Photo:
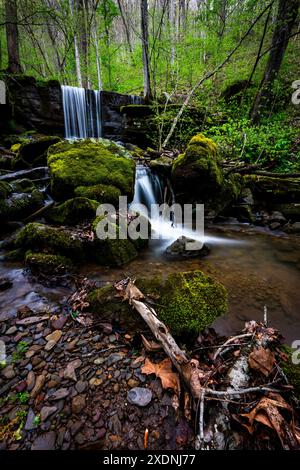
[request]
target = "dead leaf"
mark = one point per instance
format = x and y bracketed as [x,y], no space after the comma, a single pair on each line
[151,346]
[262,360]
[163,370]
[267,413]
[127,290]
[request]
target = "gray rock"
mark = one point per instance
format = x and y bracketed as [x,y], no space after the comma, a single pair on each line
[139,396]
[81,386]
[47,411]
[11,330]
[59,394]
[30,421]
[44,441]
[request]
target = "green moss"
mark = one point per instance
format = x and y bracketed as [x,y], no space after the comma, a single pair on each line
[39,237]
[47,263]
[19,206]
[73,211]
[110,252]
[23,186]
[190,301]
[5,190]
[185,302]
[275,190]
[104,194]
[33,152]
[292,371]
[89,163]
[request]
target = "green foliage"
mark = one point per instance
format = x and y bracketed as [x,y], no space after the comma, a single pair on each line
[272,144]
[21,349]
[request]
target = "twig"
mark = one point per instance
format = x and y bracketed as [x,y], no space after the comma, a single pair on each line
[224,393]
[201,415]
[230,340]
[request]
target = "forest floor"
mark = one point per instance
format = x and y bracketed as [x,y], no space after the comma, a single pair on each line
[69,390]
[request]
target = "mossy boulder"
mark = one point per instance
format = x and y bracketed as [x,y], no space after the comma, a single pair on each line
[186,302]
[292,371]
[19,206]
[291,211]
[73,211]
[103,193]
[5,189]
[24,185]
[89,163]
[43,238]
[47,263]
[273,190]
[112,252]
[198,178]
[34,152]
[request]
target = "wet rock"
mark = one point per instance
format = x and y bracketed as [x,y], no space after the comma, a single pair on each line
[53,339]
[81,386]
[11,330]
[59,394]
[139,396]
[278,217]
[59,323]
[30,421]
[78,404]
[5,283]
[8,372]
[293,228]
[187,248]
[69,372]
[114,358]
[47,411]
[44,441]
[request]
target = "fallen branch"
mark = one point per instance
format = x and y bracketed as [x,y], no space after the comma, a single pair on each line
[230,340]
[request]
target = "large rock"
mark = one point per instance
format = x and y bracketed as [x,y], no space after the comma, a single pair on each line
[73,211]
[89,163]
[186,302]
[273,190]
[198,178]
[34,152]
[20,205]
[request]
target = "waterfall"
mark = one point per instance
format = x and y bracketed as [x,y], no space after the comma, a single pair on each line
[137,100]
[82,112]
[148,188]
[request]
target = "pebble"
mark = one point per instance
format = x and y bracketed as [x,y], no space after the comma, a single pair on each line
[8,372]
[78,404]
[116,388]
[114,358]
[100,360]
[59,394]
[12,330]
[139,396]
[47,411]
[39,383]
[69,372]
[53,339]
[44,441]
[81,386]
[133,383]
[112,338]
[30,421]
[94,382]
[59,323]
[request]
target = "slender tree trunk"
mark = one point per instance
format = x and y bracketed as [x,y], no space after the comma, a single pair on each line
[145,46]
[12,36]
[285,20]
[84,40]
[76,49]
[126,28]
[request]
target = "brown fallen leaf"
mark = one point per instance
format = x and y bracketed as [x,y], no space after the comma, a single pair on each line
[151,346]
[267,412]
[163,370]
[128,291]
[262,360]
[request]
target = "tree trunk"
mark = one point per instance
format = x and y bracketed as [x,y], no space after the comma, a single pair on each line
[76,49]
[145,46]
[285,20]
[84,40]
[12,35]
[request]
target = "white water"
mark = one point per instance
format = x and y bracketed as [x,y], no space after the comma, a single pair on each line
[82,112]
[149,192]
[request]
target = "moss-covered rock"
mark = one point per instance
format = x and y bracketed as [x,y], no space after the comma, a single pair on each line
[89,163]
[5,189]
[19,206]
[112,252]
[43,238]
[198,178]
[290,211]
[47,263]
[73,211]
[273,190]
[292,371]
[185,302]
[24,185]
[103,193]
[34,152]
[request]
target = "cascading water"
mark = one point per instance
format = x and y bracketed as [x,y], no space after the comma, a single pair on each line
[149,194]
[82,112]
